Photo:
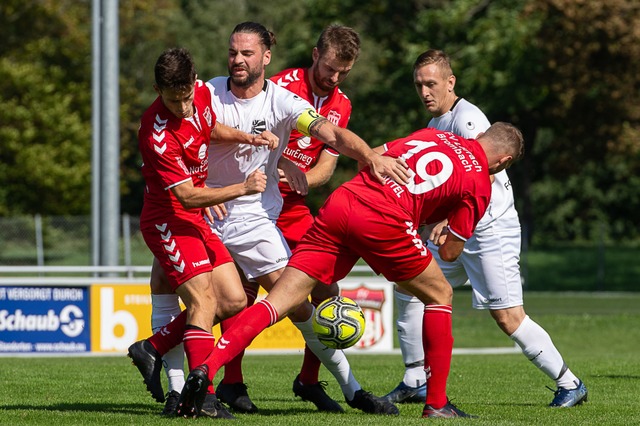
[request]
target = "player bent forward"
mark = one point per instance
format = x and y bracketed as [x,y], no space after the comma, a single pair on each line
[379,222]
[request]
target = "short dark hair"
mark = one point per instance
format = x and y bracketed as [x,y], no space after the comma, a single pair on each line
[267,38]
[344,41]
[434,56]
[175,69]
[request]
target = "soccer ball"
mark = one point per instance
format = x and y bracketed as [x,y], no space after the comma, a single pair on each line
[338,322]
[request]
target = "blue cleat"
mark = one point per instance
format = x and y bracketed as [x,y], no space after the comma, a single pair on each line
[405,393]
[570,397]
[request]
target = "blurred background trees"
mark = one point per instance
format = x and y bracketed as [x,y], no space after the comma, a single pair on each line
[565,71]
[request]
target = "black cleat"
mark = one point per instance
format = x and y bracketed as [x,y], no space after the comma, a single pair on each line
[194,392]
[369,403]
[171,404]
[149,362]
[448,411]
[214,409]
[315,393]
[404,393]
[235,395]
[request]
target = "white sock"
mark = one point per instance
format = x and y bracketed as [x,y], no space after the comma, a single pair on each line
[333,359]
[409,324]
[537,346]
[164,309]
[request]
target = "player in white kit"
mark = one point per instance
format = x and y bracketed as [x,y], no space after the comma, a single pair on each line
[246,226]
[489,260]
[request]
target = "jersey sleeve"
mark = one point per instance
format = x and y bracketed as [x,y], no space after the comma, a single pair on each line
[466,215]
[166,160]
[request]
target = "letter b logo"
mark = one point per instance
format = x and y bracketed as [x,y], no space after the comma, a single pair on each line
[111,320]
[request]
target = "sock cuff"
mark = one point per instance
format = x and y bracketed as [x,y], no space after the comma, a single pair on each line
[524,324]
[445,309]
[273,314]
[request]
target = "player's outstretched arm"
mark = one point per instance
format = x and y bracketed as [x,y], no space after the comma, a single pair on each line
[224,134]
[193,198]
[348,143]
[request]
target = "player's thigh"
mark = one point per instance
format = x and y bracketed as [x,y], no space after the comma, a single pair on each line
[267,281]
[291,290]
[492,263]
[228,290]
[198,296]
[430,286]
[189,251]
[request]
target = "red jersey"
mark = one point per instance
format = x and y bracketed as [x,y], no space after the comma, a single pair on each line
[451,180]
[302,150]
[174,150]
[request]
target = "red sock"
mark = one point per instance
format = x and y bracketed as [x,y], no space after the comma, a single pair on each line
[233,369]
[437,342]
[198,344]
[169,336]
[247,326]
[310,370]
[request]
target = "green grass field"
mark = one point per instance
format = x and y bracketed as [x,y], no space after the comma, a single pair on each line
[598,334]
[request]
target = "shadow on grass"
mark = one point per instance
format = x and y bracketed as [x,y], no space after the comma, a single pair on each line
[617,376]
[142,409]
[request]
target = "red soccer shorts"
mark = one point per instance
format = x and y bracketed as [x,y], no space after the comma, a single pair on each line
[348,228]
[294,222]
[184,249]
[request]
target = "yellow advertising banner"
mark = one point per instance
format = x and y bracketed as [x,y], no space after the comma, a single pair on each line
[121,315]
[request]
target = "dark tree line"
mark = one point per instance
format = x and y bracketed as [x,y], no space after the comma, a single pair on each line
[565,72]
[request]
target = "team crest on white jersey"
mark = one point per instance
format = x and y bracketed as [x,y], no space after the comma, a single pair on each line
[334,117]
[207,116]
[304,142]
[258,126]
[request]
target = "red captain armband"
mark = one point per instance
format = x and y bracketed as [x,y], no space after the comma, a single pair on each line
[307,119]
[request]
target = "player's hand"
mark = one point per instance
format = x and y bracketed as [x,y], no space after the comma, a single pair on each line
[439,232]
[256,182]
[383,166]
[294,176]
[282,176]
[219,211]
[267,139]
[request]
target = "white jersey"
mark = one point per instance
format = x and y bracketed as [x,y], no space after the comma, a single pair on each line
[466,120]
[275,109]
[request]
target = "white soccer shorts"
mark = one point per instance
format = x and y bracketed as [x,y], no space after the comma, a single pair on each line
[256,244]
[490,263]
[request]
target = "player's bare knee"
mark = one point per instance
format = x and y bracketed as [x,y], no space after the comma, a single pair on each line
[229,308]
[508,319]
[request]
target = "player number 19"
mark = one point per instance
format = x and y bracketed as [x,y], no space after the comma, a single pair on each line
[430,182]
